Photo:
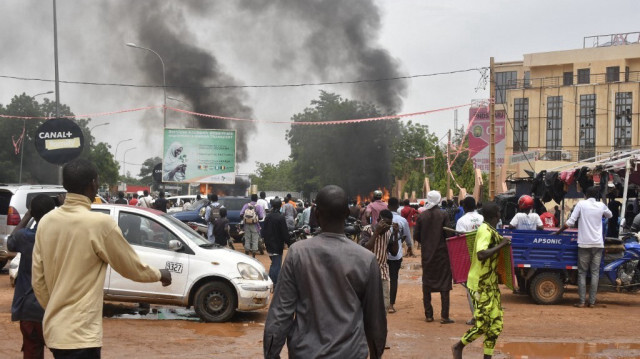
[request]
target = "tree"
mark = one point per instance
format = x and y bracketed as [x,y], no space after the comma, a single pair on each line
[146,170]
[355,156]
[270,177]
[34,168]
[413,142]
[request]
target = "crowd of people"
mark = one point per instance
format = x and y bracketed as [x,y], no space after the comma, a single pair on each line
[329,281]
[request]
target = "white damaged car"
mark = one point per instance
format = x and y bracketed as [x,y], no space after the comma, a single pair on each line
[215,280]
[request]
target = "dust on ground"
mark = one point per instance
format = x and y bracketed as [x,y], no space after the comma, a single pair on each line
[536,331]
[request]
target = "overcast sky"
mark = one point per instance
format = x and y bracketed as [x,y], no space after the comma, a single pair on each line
[422,36]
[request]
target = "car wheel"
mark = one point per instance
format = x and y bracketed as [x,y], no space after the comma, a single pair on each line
[547,288]
[215,302]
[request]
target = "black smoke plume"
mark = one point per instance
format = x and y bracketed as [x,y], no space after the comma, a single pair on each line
[163,28]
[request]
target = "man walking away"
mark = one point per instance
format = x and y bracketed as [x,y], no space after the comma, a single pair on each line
[251,214]
[121,199]
[382,239]
[328,300]
[161,203]
[134,200]
[263,202]
[73,248]
[289,212]
[525,219]
[372,212]
[483,285]
[211,214]
[145,201]
[221,229]
[25,307]
[436,270]
[395,261]
[275,234]
[588,214]
[470,221]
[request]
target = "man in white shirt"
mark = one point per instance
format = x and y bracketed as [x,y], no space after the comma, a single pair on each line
[471,219]
[525,219]
[588,213]
[263,202]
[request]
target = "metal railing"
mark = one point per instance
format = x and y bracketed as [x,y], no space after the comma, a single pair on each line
[559,81]
[611,40]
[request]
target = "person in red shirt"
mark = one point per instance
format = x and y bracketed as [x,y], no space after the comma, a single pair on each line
[134,200]
[548,220]
[410,214]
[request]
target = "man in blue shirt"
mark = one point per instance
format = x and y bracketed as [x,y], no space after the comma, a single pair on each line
[395,262]
[25,307]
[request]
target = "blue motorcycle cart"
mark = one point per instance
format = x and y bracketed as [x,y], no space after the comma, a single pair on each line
[545,263]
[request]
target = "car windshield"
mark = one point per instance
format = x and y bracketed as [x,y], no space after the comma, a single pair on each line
[186,230]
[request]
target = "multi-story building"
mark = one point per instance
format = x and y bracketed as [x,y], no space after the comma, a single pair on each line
[569,106]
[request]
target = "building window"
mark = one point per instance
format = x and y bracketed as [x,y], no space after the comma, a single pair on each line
[504,81]
[527,79]
[520,124]
[587,133]
[622,129]
[567,79]
[613,74]
[554,128]
[584,76]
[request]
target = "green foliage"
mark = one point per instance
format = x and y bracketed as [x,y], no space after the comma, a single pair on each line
[270,177]
[34,168]
[355,156]
[146,170]
[413,142]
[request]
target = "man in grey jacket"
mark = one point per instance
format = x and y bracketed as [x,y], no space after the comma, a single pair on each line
[328,302]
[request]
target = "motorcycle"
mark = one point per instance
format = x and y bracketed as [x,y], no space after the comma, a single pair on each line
[352,229]
[299,234]
[622,267]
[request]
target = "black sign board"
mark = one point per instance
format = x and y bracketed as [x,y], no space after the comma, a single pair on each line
[157,173]
[59,140]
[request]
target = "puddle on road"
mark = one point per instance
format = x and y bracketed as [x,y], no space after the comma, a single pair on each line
[128,312]
[523,350]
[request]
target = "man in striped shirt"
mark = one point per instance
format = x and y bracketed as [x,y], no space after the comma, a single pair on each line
[382,238]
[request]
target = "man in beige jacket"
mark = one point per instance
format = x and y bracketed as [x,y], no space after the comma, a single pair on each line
[72,250]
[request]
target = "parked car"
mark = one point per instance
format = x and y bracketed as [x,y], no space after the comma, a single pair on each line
[232,204]
[177,202]
[14,203]
[215,280]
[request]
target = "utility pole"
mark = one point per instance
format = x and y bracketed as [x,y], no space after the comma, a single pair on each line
[492,130]
[448,166]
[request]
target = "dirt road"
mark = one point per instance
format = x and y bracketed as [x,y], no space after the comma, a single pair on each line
[558,331]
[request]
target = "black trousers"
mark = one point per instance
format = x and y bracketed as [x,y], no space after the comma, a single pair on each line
[428,309]
[394,270]
[84,353]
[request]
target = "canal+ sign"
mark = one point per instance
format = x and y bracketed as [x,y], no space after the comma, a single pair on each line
[59,140]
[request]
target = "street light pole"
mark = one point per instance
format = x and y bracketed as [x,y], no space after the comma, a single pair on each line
[124,163]
[164,83]
[102,124]
[116,155]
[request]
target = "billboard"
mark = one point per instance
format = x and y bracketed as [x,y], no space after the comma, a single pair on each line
[479,127]
[199,156]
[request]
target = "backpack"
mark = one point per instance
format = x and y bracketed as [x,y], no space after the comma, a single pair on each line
[215,213]
[250,216]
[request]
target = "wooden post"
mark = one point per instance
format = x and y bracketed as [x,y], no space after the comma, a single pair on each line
[492,131]
[448,166]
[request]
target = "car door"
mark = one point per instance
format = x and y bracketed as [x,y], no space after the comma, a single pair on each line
[150,239]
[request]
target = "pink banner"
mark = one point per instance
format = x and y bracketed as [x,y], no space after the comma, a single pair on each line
[479,127]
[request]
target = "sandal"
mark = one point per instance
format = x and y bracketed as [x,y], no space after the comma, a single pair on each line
[447,321]
[392,310]
[429,320]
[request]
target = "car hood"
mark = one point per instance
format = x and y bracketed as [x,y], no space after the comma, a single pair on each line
[231,258]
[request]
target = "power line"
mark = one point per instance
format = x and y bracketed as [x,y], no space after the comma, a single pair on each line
[211,87]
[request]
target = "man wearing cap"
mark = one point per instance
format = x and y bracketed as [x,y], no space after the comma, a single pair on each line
[374,208]
[436,270]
